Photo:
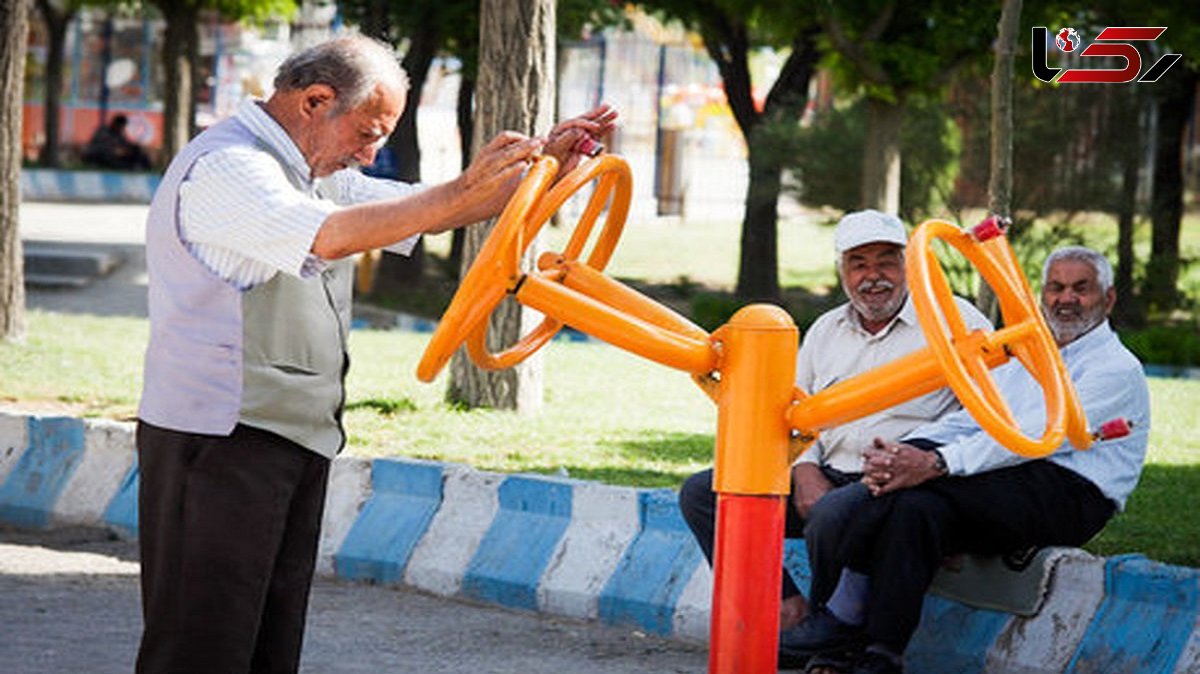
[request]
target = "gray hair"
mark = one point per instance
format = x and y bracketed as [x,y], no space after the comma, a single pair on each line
[353,65]
[1104,271]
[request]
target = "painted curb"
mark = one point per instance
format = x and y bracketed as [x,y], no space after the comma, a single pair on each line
[405,496]
[515,551]
[31,491]
[647,584]
[469,504]
[88,186]
[603,522]
[619,555]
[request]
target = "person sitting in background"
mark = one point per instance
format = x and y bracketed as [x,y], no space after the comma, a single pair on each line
[110,148]
[950,488]
[877,325]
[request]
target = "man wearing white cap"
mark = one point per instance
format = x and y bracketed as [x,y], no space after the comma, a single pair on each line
[876,326]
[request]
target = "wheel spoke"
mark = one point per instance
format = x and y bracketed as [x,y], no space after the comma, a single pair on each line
[965,358]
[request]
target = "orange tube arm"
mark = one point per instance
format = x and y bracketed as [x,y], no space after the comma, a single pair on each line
[627,332]
[888,385]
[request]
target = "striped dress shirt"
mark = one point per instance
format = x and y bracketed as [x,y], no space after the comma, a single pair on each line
[249,213]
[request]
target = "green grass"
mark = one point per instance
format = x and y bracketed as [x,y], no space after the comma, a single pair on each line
[608,416]
[89,365]
[1158,519]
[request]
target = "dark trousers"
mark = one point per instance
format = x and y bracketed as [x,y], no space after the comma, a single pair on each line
[698,504]
[900,539]
[228,530]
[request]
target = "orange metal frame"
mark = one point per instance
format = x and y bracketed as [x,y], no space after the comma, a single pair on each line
[747,367]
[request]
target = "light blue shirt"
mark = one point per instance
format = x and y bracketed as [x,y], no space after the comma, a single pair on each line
[1110,383]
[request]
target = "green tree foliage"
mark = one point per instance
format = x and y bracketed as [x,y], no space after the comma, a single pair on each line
[1173,99]
[731,30]
[181,43]
[1082,147]
[423,30]
[890,51]
[826,157]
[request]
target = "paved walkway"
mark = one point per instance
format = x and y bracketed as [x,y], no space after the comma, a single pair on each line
[117,228]
[71,605]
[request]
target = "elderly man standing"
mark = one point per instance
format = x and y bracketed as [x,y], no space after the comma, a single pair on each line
[950,488]
[877,325]
[250,286]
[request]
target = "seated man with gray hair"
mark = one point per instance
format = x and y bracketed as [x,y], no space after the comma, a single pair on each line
[950,488]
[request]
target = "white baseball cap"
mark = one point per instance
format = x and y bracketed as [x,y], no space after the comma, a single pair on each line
[870,226]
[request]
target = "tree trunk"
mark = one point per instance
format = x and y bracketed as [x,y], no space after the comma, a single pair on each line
[1176,92]
[1000,175]
[399,272]
[881,156]
[187,117]
[14,18]
[422,48]
[465,115]
[180,19]
[516,91]
[758,266]
[377,21]
[1129,311]
[56,32]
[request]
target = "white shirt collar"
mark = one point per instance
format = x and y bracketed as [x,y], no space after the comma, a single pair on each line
[251,113]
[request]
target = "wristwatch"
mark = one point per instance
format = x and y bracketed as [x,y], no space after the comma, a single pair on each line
[939,463]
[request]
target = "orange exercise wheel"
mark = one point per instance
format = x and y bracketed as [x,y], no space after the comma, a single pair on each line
[963,356]
[497,268]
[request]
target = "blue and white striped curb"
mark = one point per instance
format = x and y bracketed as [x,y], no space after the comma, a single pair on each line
[646,586]
[404,500]
[84,185]
[516,549]
[61,469]
[615,554]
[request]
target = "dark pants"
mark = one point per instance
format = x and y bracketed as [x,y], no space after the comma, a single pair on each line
[698,503]
[228,530]
[900,539]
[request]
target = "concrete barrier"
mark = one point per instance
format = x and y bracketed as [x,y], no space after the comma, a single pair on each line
[88,186]
[404,498]
[616,554]
[517,547]
[647,584]
[35,484]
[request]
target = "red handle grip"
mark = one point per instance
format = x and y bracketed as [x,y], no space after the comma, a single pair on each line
[1113,429]
[990,228]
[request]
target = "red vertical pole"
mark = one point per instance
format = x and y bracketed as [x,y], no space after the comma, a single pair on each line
[748,567]
[751,478]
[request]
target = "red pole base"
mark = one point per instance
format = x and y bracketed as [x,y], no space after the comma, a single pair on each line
[748,575]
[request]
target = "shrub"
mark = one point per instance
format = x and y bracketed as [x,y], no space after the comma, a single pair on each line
[712,310]
[827,162]
[1165,344]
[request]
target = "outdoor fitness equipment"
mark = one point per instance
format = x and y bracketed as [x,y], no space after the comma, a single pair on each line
[746,366]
